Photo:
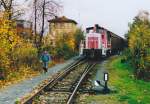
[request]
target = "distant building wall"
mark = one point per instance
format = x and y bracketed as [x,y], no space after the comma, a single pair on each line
[24,29]
[60,26]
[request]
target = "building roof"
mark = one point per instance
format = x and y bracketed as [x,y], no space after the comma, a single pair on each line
[62,19]
[23,21]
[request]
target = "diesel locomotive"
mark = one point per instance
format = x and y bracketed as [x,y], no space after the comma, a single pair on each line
[100,42]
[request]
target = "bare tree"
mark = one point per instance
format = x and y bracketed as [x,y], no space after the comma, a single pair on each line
[44,10]
[7,6]
[43,19]
[35,19]
[11,8]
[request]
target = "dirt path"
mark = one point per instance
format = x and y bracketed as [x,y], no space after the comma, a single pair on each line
[11,93]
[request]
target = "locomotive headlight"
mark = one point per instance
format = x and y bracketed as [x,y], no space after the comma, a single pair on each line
[106,77]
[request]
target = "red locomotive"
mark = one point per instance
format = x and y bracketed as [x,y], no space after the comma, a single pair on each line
[100,42]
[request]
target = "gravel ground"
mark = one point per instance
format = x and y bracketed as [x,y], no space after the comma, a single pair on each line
[100,75]
[11,93]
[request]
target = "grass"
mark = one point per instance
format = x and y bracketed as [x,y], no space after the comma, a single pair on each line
[129,90]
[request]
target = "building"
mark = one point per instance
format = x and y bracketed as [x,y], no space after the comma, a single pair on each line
[24,29]
[60,26]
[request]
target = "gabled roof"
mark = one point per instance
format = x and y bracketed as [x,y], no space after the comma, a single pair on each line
[62,19]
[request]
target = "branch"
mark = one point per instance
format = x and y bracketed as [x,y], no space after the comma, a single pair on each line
[50,13]
[4,4]
[17,14]
[53,2]
[10,4]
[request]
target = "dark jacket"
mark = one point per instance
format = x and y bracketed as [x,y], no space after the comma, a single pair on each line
[45,57]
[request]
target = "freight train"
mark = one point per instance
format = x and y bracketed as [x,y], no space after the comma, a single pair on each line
[100,42]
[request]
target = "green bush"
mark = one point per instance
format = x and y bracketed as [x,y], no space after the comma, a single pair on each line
[64,51]
[26,55]
[138,52]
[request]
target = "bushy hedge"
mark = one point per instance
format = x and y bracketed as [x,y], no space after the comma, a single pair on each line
[138,52]
[15,52]
[66,45]
[26,55]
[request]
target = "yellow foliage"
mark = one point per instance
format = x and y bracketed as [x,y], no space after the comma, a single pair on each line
[17,76]
[66,38]
[8,39]
[14,51]
[139,43]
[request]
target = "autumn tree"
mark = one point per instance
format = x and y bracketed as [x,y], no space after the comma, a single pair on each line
[79,35]
[66,44]
[9,40]
[139,44]
[15,52]
[7,6]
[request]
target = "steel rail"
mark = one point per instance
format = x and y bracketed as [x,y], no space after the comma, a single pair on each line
[88,68]
[54,80]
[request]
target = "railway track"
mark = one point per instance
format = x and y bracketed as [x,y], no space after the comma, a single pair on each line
[82,78]
[67,69]
[63,88]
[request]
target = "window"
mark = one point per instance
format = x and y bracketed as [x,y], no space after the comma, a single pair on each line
[102,36]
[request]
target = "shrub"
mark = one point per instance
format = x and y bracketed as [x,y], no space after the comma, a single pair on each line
[25,54]
[139,46]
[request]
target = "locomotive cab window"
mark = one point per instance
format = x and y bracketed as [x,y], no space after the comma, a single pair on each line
[97,31]
[102,36]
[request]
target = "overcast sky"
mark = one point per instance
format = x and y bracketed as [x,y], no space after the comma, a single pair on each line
[112,14]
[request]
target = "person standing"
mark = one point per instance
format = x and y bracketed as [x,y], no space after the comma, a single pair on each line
[45,58]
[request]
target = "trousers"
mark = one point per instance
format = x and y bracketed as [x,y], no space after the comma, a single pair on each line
[45,64]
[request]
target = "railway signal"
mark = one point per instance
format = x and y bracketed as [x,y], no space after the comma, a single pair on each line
[105,86]
[106,89]
[106,77]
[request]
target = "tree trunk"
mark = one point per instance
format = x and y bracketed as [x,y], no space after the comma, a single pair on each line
[43,19]
[35,20]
